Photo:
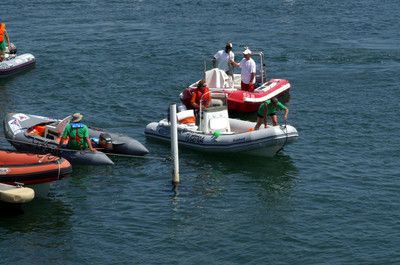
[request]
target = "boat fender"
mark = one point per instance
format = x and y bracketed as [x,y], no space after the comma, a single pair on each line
[186,117]
[77,125]
[105,141]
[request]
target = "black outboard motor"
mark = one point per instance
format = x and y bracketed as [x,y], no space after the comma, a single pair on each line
[105,141]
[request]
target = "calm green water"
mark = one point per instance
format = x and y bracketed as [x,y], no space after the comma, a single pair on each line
[330,198]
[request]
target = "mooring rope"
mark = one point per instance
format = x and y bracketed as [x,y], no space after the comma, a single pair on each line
[281,149]
[57,151]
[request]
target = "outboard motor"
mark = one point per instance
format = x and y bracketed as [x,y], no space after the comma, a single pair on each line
[179,107]
[105,141]
[13,49]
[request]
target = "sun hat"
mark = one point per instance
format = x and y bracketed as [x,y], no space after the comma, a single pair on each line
[247,51]
[77,117]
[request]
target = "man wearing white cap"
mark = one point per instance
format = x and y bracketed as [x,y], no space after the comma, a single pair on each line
[222,57]
[248,67]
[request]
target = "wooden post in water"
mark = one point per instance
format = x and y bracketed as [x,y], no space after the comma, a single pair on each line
[174,144]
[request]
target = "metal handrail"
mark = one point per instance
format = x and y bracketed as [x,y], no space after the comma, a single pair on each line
[201,104]
[263,70]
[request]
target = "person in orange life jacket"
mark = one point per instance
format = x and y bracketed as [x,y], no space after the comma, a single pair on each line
[269,108]
[3,38]
[198,93]
[248,74]
[78,135]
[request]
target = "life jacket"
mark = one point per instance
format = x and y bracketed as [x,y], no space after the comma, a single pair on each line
[37,129]
[2,27]
[77,138]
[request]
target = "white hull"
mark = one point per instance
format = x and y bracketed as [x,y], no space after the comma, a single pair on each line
[13,64]
[13,194]
[41,189]
[264,142]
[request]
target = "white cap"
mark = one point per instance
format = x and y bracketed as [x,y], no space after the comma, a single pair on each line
[247,51]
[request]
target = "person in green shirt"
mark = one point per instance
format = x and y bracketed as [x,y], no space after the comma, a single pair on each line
[78,134]
[269,108]
[3,38]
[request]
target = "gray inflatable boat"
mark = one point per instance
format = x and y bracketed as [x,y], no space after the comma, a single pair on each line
[39,134]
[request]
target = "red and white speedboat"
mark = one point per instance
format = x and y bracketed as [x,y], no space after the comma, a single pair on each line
[239,100]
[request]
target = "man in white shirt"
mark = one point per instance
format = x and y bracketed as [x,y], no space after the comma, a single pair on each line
[222,57]
[248,74]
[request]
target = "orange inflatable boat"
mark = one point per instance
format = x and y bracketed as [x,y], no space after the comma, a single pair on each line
[32,170]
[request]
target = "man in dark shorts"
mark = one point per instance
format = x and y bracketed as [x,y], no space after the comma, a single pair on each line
[269,108]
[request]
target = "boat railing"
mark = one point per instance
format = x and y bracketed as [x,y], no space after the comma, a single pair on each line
[258,57]
[218,101]
[230,77]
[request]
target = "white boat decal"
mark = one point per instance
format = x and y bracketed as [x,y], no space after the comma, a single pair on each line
[15,126]
[4,171]
[21,116]
[276,92]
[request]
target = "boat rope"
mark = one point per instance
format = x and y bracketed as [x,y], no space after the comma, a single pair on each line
[41,160]
[59,169]
[152,157]
[281,149]
[46,148]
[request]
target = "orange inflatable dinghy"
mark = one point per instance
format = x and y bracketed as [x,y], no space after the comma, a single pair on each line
[32,169]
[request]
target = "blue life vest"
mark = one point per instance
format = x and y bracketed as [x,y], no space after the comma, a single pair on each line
[77,125]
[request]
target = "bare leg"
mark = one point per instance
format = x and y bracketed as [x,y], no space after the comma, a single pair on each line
[274,119]
[259,122]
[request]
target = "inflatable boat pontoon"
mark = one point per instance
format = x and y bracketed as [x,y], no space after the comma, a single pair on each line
[14,63]
[39,134]
[217,133]
[36,171]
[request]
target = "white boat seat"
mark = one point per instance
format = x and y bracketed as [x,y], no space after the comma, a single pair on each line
[51,132]
[54,131]
[217,78]
[186,116]
[216,102]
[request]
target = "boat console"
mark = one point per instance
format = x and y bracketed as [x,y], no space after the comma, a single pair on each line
[215,119]
[54,131]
